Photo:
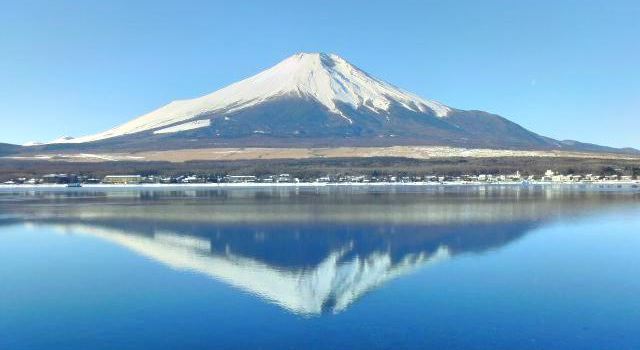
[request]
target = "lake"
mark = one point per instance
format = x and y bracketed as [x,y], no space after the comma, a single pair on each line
[320,268]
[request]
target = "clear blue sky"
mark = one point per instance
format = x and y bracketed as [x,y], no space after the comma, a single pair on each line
[565,69]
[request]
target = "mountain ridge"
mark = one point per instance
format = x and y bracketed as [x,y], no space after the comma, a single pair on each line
[316,100]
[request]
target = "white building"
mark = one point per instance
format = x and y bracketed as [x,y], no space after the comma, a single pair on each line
[122,179]
[240,178]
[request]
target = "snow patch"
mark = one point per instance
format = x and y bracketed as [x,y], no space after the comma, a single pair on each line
[196,124]
[63,139]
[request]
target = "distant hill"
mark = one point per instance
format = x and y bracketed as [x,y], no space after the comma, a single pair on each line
[7,149]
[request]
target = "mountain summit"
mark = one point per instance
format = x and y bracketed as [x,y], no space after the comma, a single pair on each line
[315,99]
[324,78]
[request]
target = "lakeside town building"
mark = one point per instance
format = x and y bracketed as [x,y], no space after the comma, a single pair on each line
[549,176]
[122,179]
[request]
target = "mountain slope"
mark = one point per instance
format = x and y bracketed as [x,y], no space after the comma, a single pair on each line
[7,149]
[326,79]
[316,100]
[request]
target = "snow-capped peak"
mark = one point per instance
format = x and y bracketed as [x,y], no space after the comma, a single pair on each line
[326,78]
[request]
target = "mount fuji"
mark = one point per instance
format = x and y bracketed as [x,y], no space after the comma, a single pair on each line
[314,100]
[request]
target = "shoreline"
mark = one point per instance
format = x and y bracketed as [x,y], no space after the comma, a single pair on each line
[604,185]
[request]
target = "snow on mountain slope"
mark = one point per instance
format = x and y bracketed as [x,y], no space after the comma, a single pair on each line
[63,139]
[196,124]
[328,79]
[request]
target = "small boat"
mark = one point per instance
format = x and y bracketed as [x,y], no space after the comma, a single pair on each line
[74,184]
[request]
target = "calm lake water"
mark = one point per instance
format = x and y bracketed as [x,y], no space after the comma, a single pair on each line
[348,268]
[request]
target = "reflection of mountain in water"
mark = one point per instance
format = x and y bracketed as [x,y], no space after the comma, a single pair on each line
[307,270]
[306,266]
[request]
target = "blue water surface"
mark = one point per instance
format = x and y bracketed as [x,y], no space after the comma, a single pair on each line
[320,269]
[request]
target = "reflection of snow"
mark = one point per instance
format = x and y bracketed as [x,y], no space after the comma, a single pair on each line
[332,285]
